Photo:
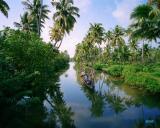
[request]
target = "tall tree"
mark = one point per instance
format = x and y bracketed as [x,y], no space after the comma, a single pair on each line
[65,15]
[118,42]
[155,3]
[118,34]
[146,23]
[4,7]
[56,34]
[26,23]
[96,32]
[108,38]
[141,17]
[38,11]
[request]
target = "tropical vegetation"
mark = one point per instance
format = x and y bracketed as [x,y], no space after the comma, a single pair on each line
[64,20]
[4,7]
[131,53]
[30,69]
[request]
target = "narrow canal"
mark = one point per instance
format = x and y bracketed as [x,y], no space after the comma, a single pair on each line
[110,105]
[65,102]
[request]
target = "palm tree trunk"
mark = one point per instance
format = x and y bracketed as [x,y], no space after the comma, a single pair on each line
[38,25]
[60,44]
[150,1]
[55,43]
[143,52]
[39,18]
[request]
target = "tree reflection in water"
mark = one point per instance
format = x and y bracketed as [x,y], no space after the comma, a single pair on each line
[27,110]
[96,97]
[106,94]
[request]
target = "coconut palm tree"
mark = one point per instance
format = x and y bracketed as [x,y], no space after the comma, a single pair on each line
[26,23]
[96,31]
[133,45]
[56,34]
[65,15]
[38,11]
[117,39]
[140,26]
[155,3]
[4,7]
[108,38]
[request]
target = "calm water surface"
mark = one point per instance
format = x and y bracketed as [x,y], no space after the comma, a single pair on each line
[109,105]
[64,102]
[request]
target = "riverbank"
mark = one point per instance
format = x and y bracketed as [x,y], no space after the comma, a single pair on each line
[136,75]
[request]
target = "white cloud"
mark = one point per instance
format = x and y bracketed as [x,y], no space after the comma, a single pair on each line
[123,11]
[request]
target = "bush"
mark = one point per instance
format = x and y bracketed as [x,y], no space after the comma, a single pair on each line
[99,66]
[114,70]
[130,69]
[143,80]
[26,62]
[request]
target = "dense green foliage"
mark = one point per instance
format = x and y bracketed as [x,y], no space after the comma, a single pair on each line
[128,53]
[135,75]
[25,60]
[142,76]
[114,70]
[29,72]
[99,66]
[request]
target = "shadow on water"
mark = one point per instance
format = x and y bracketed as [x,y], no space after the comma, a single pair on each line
[42,106]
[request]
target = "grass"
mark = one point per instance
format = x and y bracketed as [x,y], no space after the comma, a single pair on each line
[99,66]
[140,76]
[114,70]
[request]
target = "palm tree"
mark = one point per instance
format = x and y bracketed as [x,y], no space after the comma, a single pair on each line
[65,15]
[38,11]
[117,39]
[155,3]
[108,37]
[133,45]
[146,23]
[4,7]
[140,26]
[26,23]
[56,34]
[96,32]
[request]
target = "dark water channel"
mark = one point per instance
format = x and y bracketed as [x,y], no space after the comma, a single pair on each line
[66,103]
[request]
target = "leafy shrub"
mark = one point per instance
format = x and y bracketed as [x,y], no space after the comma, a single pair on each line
[130,69]
[26,62]
[99,66]
[114,70]
[143,80]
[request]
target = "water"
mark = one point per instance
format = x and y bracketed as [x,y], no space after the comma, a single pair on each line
[65,102]
[109,105]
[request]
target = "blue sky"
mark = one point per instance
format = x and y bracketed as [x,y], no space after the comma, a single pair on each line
[107,12]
